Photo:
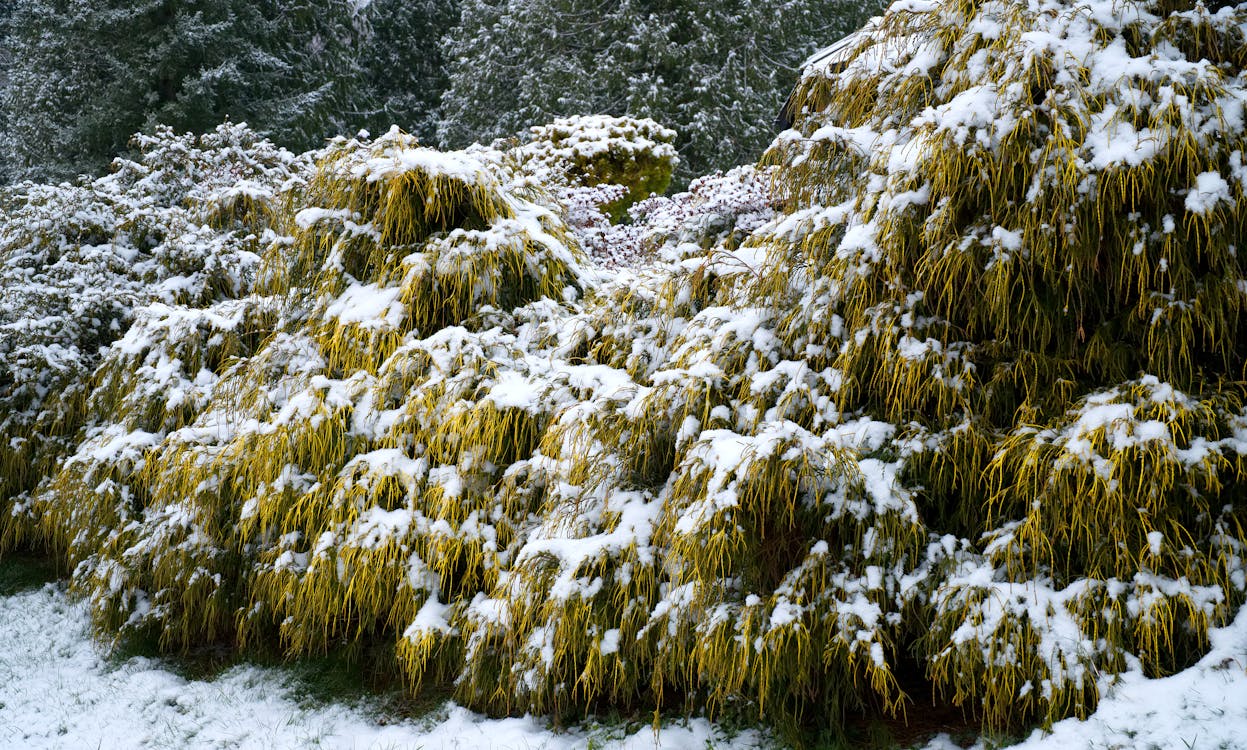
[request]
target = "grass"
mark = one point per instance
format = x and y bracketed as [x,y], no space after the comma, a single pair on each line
[364,678]
[24,571]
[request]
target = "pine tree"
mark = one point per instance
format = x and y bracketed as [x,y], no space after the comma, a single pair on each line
[400,57]
[85,75]
[717,72]
[5,61]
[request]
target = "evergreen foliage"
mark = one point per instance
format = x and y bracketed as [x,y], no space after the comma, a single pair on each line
[975,399]
[402,74]
[84,75]
[715,72]
[1015,233]
[6,57]
[634,157]
[180,226]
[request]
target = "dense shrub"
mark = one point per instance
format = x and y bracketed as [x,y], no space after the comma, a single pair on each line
[180,225]
[966,392]
[1014,234]
[586,152]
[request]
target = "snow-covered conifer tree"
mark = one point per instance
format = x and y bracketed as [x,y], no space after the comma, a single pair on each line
[86,74]
[717,72]
[401,64]
[5,55]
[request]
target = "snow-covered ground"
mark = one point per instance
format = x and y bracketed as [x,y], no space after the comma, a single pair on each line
[59,690]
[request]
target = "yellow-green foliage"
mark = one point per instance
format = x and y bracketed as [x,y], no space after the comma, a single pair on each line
[267,511]
[102,503]
[1014,229]
[389,526]
[31,449]
[780,544]
[635,154]
[976,400]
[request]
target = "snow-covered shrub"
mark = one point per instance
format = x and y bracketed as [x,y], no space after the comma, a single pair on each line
[972,399]
[588,151]
[609,243]
[717,212]
[386,442]
[1014,232]
[77,261]
[600,168]
[294,486]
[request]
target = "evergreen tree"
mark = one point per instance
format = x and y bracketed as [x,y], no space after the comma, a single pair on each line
[403,74]
[5,61]
[86,74]
[715,71]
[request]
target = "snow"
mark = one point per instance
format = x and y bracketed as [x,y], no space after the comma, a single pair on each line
[368,305]
[457,165]
[734,203]
[1204,706]
[668,348]
[430,618]
[841,51]
[583,138]
[610,642]
[1210,189]
[309,217]
[59,690]
[1111,142]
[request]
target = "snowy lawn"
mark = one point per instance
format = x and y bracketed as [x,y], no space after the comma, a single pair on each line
[59,690]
